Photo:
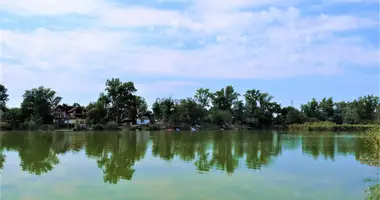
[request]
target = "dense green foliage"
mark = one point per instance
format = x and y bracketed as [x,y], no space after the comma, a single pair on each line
[256,109]
[373,192]
[371,140]
[3,97]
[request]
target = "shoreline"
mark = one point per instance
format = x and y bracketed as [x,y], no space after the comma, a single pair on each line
[307,127]
[313,127]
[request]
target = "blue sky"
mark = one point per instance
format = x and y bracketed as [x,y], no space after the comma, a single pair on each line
[292,49]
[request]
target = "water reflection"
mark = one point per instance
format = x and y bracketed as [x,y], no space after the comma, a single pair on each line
[219,150]
[117,153]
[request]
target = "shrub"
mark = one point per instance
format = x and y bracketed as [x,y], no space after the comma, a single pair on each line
[97,127]
[112,126]
[221,117]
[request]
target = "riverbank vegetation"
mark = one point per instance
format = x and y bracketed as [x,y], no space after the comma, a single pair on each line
[225,108]
[373,192]
[330,126]
[371,140]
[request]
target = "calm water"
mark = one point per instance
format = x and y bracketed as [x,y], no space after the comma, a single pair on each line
[179,165]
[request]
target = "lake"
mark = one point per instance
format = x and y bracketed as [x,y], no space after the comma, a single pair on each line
[182,165]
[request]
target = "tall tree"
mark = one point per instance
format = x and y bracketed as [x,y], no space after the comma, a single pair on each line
[38,103]
[311,109]
[157,110]
[260,107]
[168,110]
[366,107]
[327,109]
[142,106]
[97,111]
[203,97]
[252,106]
[3,97]
[238,111]
[190,112]
[121,98]
[338,112]
[224,98]
[351,114]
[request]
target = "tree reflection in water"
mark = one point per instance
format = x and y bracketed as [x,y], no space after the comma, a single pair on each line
[116,153]
[34,151]
[118,156]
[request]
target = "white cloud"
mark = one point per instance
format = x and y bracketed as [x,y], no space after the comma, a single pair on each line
[257,54]
[20,79]
[270,42]
[351,1]
[55,50]
[72,86]
[140,16]
[216,6]
[160,87]
[53,7]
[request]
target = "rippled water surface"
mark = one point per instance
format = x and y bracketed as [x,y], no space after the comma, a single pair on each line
[182,165]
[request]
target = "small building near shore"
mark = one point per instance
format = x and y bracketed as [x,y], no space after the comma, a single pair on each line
[64,114]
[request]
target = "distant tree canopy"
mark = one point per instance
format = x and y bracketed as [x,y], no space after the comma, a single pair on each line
[254,108]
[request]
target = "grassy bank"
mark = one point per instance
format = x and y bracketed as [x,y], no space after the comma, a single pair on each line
[373,192]
[372,158]
[375,131]
[328,126]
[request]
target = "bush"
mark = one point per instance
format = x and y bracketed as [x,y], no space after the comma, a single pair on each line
[112,126]
[5,126]
[97,127]
[154,127]
[33,124]
[221,117]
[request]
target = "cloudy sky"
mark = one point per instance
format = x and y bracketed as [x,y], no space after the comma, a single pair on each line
[292,49]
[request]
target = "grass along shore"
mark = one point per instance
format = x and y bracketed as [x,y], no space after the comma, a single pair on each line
[372,141]
[329,126]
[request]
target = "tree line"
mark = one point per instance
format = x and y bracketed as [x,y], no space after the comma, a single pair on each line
[253,109]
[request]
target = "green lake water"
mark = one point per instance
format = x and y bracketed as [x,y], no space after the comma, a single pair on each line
[186,166]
